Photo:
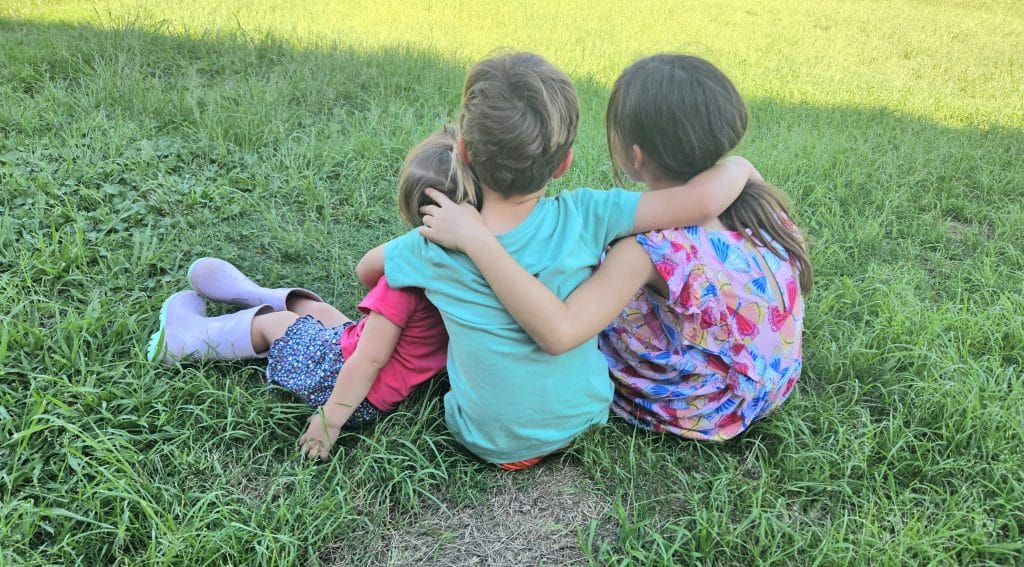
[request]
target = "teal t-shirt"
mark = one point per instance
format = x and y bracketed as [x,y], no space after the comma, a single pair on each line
[509,400]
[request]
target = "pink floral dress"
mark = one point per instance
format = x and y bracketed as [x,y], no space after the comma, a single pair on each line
[721,351]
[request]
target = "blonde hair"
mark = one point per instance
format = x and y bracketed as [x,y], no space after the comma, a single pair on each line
[518,121]
[434,163]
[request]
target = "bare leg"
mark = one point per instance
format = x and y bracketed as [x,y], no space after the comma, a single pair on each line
[323,312]
[269,327]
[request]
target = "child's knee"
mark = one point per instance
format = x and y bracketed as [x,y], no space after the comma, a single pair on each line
[325,313]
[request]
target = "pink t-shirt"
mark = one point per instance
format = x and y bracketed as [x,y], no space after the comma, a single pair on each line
[421,350]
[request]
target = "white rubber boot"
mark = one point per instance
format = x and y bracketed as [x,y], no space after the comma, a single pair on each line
[186,333]
[218,280]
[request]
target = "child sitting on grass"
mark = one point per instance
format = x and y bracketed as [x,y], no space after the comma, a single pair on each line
[712,341]
[510,402]
[353,372]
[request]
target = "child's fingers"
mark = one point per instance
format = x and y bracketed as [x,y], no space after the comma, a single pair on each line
[318,449]
[429,211]
[312,449]
[438,197]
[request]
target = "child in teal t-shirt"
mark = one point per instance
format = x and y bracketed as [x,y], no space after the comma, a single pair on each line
[510,402]
[498,375]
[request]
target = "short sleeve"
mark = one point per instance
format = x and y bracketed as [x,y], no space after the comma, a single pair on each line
[606,215]
[674,255]
[405,260]
[396,305]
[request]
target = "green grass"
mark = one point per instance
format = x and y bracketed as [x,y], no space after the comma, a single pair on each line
[135,138]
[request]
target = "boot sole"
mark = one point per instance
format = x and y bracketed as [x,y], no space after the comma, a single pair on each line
[157,348]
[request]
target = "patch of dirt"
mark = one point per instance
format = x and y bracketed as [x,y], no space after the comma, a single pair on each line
[958,231]
[531,518]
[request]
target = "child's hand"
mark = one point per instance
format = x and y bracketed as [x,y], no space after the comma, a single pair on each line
[451,225]
[319,437]
[744,163]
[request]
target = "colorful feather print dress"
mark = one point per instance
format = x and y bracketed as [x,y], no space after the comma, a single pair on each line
[721,351]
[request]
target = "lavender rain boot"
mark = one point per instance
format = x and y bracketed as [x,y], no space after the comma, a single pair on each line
[220,281]
[186,333]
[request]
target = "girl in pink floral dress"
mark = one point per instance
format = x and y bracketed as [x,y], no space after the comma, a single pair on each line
[721,350]
[710,339]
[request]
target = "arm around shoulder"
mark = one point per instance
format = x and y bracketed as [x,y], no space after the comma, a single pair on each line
[699,201]
[597,301]
[555,326]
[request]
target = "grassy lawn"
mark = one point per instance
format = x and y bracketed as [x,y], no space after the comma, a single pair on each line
[136,136]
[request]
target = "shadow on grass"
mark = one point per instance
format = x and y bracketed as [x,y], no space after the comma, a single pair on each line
[126,153]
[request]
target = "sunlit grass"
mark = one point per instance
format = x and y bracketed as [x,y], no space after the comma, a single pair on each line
[136,137]
[945,61]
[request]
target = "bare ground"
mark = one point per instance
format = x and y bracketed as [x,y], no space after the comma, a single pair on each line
[537,517]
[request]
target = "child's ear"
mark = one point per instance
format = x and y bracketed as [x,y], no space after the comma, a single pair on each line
[463,153]
[638,158]
[564,166]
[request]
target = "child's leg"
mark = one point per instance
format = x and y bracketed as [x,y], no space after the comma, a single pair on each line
[323,312]
[307,358]
[303,355]
[269,327]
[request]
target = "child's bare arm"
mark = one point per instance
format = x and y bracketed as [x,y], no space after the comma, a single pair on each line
[555,326]
[700,200]
[374,350]
[371,267]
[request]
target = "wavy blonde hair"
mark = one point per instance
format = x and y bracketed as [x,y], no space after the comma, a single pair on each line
[434,163]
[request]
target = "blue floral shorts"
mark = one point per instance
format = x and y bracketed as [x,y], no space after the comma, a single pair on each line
[307,360]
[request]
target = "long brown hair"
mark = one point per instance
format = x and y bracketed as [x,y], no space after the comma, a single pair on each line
[761,215]
[686,115]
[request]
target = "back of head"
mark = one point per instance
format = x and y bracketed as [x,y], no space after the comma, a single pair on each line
[685,115]
[432,164]
[518,121]
[680,110]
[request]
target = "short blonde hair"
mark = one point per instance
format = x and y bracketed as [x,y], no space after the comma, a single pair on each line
[518,122]
[433,163]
